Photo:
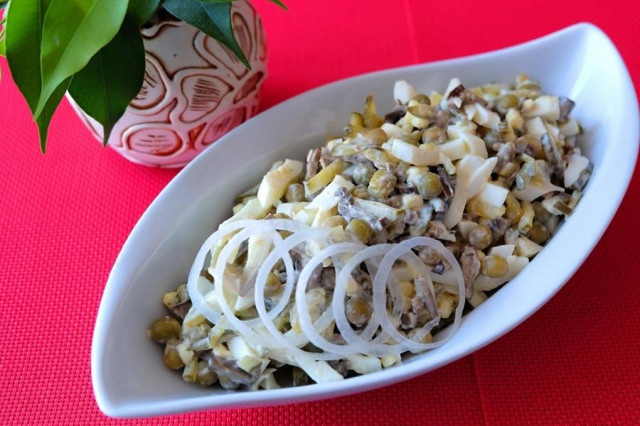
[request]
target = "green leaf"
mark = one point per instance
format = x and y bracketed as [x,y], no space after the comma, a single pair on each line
[279,3]
[3,31]
[113,77]
[213,19]
[23,56]
[3,48]
[49,109]
[72,32]
[142,10]
[23,46]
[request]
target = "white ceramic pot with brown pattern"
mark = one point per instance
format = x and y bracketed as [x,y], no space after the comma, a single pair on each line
[195,90]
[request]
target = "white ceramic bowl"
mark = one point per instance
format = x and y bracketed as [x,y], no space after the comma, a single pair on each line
[580,62]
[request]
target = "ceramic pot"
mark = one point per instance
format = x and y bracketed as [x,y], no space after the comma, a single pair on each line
[195,90]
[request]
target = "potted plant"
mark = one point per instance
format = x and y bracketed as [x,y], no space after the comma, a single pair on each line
[157,80]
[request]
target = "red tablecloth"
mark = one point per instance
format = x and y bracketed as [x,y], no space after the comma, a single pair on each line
[65,216]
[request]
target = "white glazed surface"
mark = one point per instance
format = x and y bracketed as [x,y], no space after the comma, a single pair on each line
[580,62]
[195,90]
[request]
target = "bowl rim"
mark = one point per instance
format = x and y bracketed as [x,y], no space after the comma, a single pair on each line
[356,384]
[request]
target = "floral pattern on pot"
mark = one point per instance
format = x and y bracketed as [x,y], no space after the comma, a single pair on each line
[195,90]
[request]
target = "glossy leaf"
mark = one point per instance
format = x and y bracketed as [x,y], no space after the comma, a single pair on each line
[113,77]
[3,49]
[3,28]
[142,10]
[3,32]
[66,49]
[23,56]
[23,47]
[213,19]
[44,119]
[279,3]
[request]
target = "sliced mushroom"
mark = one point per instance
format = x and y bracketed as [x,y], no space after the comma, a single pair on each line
[447,187]
[436,229]
[566,106]
[349,210]
[470,265]
[426,296]
[506,154]
[178,301]
[551,150]
[231,376]
[313,160]
[499,226]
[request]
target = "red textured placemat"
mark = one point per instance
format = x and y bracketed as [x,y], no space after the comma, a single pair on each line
[65,216]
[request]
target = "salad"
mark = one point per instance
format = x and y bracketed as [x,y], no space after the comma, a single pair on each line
[377,244]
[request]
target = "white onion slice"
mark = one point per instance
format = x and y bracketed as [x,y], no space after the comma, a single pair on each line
[299,339]
[282,251]
[303,314]
[290,271]
[377,346]
[380,283]
[378,314]
[372,267]
[279,224]
[450,258]
[243,327]
[240,326]
[379,260]
[397,296]
[275,238]
[197,298]
[413,260]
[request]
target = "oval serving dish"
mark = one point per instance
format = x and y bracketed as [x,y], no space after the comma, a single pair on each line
[580,62]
